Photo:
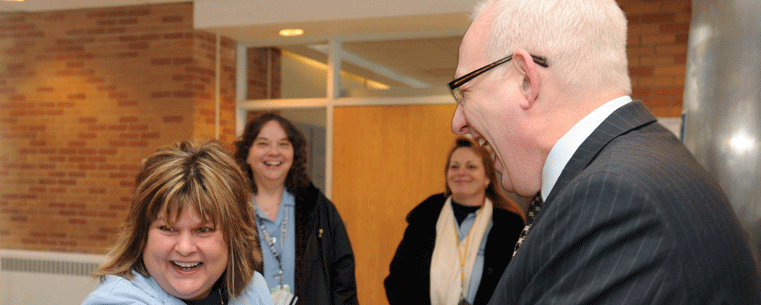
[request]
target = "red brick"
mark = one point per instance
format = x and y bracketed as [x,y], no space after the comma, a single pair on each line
[56,190]
[78,143]
[78,96]
[675,91]
[138,143]
[120,95]
[27,197]
[160,94]
[88,120]
[172,19]
[128,119]
[57,159]
[663,39]
[87,167]
[182,94]
[152,36]
[675,28]
[97,191]
[669,70]
[671,50]
[139,46]
[117,143]
[183,61]
[76,159]
[129,167]
[106,22]
[139,127]
[117,207]
[161,61]
[59,205]
[96,159]
[117,175]
[107,167]
[173,119]
[128,21]
[47,242]
[151,135]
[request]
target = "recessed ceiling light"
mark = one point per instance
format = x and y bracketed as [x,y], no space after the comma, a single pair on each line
[291,32]
[13,0]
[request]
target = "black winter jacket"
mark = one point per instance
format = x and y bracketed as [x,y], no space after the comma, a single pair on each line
[409,279]
[324,258]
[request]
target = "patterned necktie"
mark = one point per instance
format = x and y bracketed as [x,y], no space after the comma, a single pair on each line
[533,210]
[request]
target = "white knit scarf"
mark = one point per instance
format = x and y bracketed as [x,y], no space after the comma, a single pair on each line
[446,283]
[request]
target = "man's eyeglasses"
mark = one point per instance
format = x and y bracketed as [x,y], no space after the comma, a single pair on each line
[454,85]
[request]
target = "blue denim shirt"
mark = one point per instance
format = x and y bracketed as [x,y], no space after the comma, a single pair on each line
[286,248]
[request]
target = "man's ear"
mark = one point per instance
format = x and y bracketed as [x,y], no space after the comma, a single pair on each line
[530,81]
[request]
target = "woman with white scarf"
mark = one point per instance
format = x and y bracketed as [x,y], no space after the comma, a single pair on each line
[457,244]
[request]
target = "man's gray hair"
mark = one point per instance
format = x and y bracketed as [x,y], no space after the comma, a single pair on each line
[584,40]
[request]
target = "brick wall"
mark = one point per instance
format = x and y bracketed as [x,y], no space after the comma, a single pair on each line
[261,63]
[84,96]
[657,48]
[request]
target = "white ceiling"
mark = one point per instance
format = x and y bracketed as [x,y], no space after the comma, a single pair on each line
[409,41]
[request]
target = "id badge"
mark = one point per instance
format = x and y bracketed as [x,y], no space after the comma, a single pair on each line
[281,295]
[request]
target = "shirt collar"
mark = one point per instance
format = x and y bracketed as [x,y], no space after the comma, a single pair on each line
[564,148]
[287,200]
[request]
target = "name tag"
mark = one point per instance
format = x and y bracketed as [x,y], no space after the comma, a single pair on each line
[281,295]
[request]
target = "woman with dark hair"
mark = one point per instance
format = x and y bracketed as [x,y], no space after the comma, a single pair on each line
[189,237]
[306,249]
[458,243]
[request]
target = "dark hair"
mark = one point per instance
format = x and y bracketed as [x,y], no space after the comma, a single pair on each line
[494,190]
[206,179]
[298,178]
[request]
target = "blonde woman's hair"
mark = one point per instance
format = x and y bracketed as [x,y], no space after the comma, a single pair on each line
[206,179]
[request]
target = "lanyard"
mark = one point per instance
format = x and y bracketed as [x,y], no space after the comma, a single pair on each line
[271,243]
[463,293]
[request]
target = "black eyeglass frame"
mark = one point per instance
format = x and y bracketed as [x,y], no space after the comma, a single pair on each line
[455,84]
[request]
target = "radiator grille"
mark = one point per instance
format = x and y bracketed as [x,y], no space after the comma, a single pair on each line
[48,266]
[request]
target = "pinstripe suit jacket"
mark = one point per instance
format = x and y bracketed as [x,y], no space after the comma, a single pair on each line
[633,219]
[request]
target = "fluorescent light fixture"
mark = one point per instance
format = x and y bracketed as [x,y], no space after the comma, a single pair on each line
[291,32]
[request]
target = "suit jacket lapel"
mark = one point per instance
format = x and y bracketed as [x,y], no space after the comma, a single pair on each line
[628,117]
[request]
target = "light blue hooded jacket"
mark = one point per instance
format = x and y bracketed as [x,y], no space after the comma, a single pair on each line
[116,290]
